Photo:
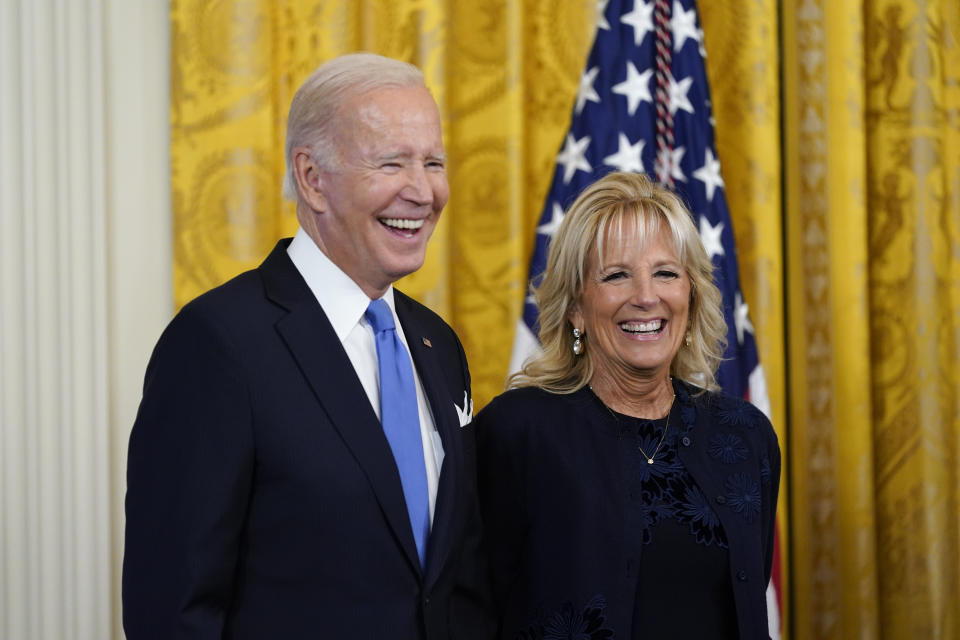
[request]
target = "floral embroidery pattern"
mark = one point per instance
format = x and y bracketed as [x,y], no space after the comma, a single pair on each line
[765,470]
[704,523]
[665,489]
[743,495]
[669,491]
[737,413]
[728,448]
[652,511]
[569,624]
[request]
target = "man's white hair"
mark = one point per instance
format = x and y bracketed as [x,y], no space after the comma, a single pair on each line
[310,122]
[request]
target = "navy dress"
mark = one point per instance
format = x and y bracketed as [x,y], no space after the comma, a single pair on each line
[588,540]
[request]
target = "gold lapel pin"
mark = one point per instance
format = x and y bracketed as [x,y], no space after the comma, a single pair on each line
[426,341]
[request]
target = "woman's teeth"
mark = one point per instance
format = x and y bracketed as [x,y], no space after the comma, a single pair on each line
[642,327]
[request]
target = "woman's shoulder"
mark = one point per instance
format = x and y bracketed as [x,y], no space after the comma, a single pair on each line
[724,410]
[528,400]
[526,408]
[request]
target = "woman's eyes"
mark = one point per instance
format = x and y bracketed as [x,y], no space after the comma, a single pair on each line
[666,274]
[616,275]
[663,274]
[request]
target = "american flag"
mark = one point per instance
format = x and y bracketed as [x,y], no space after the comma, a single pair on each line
[614,127]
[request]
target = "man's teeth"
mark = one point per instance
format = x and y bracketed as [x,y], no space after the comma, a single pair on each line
[641,327]
[402,223]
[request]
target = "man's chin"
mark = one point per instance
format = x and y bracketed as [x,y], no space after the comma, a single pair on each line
[405,269]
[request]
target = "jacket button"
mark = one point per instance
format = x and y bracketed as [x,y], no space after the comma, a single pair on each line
[721,499]
[742,575]
[686,441]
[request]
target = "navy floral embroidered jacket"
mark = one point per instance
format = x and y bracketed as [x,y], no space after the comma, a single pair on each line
[569,507]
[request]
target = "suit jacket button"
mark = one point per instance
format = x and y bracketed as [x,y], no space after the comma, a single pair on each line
[721,499]
[742,575]
[686,441]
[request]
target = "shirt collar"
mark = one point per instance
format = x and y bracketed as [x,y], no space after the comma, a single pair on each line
[342,299]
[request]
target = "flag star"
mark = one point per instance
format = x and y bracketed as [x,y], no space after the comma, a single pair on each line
[636,87]
[678,95]
[572,156]
[602,15]
[684,25]
[641,19]
[709,174]
[586,92]
[741,317]
[668,164]
[627,157]
[710,236]
[549,229]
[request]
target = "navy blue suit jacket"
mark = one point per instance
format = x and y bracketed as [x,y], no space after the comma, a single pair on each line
[263,500]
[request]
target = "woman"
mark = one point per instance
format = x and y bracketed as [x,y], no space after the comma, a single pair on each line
[623,495]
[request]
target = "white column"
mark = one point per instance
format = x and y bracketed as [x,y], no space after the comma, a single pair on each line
[84,278]
[140,224]
[55,493]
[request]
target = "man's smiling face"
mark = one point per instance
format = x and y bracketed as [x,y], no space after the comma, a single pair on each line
[386,187]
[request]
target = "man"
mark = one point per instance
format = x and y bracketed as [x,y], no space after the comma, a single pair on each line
[265,499]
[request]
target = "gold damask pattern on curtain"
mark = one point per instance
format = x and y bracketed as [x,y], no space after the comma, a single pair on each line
[872,107]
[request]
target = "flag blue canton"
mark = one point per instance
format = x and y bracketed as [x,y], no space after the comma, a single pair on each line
[613,128]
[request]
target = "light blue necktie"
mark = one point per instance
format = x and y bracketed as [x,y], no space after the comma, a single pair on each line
[401,420]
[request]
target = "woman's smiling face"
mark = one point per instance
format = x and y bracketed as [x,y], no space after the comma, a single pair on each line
[634,306]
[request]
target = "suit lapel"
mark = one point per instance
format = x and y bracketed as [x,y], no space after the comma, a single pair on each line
[447,424]
[314,345]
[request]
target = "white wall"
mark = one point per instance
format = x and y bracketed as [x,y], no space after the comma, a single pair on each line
[85,289]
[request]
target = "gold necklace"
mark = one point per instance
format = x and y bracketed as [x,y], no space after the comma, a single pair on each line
[665,426]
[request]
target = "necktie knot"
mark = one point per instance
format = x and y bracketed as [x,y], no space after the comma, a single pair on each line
[379,316]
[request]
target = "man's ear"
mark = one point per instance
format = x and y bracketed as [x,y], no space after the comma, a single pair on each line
[306,172]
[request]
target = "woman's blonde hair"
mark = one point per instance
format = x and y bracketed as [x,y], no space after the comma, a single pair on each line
[621,199]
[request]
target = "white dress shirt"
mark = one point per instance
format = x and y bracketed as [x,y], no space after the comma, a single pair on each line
[344,304]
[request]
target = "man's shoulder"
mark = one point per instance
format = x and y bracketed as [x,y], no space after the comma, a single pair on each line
[423,315]
[241,293]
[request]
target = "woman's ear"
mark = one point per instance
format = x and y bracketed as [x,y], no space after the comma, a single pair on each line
[575,316]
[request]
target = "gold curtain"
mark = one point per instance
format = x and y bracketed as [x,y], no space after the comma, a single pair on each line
[857,312]
[872,113]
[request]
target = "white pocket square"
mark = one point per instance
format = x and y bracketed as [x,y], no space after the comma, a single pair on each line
[465,415]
